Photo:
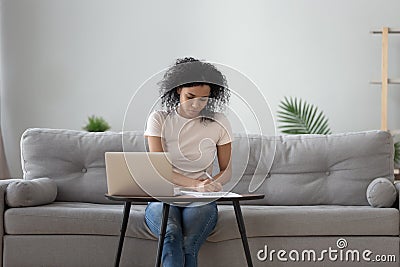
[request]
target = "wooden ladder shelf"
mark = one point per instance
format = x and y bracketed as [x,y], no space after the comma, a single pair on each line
[385,81]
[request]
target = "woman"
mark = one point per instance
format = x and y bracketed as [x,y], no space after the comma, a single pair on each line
[192,132]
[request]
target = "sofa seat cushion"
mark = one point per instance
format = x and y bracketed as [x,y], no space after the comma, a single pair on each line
[100,219]
[321,220]
[75,218]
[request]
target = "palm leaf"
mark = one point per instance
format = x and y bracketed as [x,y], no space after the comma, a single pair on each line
[299,117]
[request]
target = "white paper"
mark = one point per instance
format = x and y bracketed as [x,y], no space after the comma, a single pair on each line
[209,194]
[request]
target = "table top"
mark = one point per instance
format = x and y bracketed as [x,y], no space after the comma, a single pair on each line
[183,198]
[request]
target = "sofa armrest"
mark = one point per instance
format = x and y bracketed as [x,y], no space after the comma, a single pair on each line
[28,193]
[3,188]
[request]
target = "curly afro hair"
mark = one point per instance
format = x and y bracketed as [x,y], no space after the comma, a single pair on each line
[189,72]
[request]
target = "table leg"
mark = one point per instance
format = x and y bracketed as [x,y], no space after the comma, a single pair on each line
[162,233]
[242,230]
[127,209]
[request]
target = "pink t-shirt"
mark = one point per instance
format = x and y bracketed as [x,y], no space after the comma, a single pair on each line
[191,144]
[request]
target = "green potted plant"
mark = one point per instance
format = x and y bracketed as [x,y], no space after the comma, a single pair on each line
[96,124]
[397,153]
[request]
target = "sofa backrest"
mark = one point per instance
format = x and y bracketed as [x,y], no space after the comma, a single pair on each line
[306,169]
[74,159]
[315,169]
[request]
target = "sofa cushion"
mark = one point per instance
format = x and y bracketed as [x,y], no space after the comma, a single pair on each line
[313,169]
[75,218]
[381,193]
[74,159]
[25,193]
[320,220]
[95,219]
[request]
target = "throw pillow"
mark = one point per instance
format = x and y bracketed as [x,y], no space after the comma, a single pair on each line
[27,193]
[381,193]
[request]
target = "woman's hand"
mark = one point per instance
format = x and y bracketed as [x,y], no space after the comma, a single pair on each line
[206,185]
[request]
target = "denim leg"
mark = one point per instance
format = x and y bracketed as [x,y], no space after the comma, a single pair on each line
[197,224]
[172,255]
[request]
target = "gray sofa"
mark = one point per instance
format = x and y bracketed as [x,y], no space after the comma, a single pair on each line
[315,213]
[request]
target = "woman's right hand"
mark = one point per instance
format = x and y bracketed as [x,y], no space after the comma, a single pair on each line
[207,185]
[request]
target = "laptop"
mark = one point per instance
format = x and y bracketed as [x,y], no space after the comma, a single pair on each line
[139,174]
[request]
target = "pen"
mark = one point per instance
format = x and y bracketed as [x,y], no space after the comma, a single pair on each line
[209,176]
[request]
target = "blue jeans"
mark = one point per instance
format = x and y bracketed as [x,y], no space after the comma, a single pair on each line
[187,230]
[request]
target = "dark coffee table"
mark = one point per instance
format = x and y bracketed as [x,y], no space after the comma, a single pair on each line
[185,198]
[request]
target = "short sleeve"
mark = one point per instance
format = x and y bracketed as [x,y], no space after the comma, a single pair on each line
[154,124]
[225,135]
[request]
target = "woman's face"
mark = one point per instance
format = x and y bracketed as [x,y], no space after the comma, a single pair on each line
[193,100]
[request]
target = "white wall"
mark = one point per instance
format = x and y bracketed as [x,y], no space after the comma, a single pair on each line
[63,60]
